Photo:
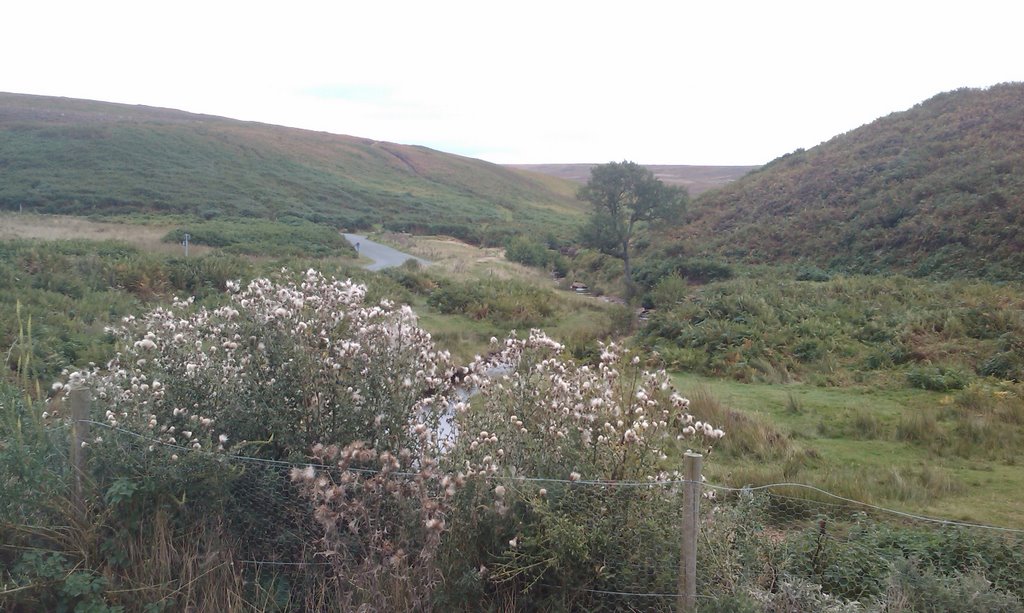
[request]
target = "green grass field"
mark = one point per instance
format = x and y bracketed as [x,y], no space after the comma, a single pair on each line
[906,449]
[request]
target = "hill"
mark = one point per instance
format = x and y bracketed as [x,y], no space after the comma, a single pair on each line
[60,155]
[696,179]
[938,188]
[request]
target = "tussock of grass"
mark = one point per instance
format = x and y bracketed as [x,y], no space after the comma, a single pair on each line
[858,423]
[747,436]
[919,427]
[918,485]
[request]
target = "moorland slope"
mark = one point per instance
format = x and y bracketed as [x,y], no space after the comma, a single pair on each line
[936,189]
[68,156]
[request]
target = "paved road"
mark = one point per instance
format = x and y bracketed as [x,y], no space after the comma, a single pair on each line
[382,255]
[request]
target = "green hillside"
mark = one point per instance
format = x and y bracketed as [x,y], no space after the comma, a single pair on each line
[937,189]
[61,155]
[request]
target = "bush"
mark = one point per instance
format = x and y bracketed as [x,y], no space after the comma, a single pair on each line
[282,367]
[564,426]
[812,273]
[506,303]
[668,292]
[937,379]
[527,251]
[705,271]
[288,236]
[1006,365]
[918,588]
[280,356]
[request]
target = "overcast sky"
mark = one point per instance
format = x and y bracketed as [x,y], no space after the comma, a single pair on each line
[683,82]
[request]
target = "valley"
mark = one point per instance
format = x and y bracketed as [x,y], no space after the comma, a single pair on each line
[848,318]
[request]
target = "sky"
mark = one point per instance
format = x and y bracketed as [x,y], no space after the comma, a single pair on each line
[717,82]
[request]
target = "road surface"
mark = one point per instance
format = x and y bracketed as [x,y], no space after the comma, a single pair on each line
[382,255]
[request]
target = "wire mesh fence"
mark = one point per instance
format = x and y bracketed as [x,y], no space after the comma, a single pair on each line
[784,543]
[315,536]
[797,547]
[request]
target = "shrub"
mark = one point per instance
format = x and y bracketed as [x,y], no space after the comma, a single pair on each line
[289,363]
[918,588]
[286,364]
[653,269]
[812,273]
[1006,365]
[937,379]
[526,251]
[560,424]
[506,303]
[413,487]
[669,291]
[705,271]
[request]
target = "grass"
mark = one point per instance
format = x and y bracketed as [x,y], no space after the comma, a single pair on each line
[459,260]
[576,320]
[164,234]
[912,450]
[147,236]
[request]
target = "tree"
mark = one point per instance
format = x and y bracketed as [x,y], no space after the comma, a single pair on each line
[623,195]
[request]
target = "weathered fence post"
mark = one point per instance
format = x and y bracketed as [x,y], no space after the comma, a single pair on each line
[687,602]
[79,397]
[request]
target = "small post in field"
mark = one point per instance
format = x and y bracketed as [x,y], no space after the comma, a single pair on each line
[687,599]
[79,397]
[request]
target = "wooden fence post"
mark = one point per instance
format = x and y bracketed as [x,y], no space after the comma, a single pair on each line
[79,397]
[687,599]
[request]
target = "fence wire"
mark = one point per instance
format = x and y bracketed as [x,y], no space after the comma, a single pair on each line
[777,547]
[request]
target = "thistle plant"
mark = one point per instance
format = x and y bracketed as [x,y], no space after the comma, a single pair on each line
[566,469]
[539,414]
[414,471]
[382,515]
[283,366]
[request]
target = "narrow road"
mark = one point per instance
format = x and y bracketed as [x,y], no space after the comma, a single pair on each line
[382,255]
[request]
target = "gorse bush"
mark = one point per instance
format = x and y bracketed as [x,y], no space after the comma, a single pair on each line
[656,267]
[937,379]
